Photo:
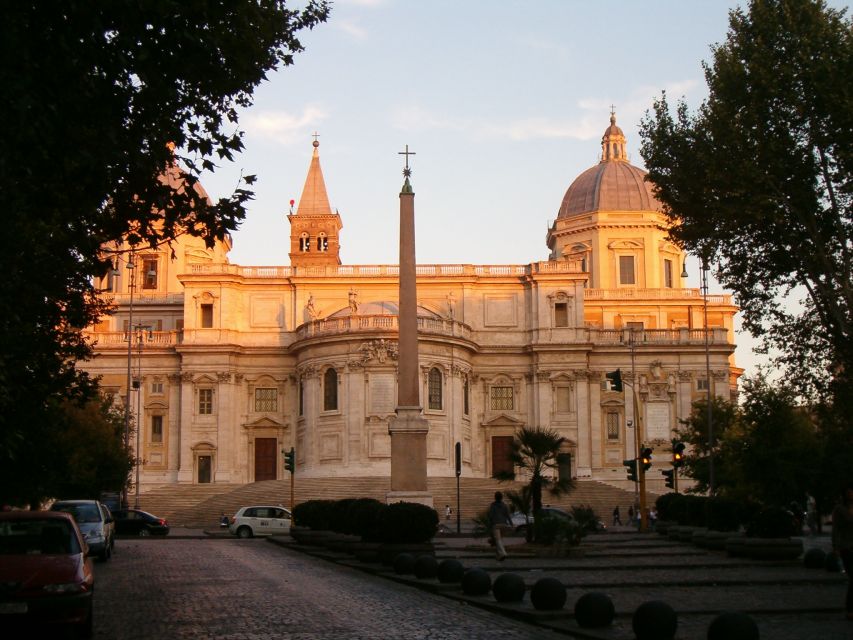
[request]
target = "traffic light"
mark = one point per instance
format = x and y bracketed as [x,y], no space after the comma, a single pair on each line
[668,474]
[632,469]
[615,378]
[678,454]
[289,460]
[646,458]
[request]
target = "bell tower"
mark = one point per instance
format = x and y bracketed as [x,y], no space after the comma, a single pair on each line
[314,229]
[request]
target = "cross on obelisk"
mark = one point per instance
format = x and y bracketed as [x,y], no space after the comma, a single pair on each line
[408,429]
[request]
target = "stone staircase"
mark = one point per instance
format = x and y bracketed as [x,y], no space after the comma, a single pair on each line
[202,505]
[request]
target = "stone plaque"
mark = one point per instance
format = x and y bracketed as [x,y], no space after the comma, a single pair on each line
[657,421]
[382,400]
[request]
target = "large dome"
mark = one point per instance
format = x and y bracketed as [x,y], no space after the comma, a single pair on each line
[612,185]
[609,186]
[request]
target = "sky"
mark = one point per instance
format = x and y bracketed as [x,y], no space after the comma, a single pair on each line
[503,102]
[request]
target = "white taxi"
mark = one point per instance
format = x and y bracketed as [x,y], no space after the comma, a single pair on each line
[260,520]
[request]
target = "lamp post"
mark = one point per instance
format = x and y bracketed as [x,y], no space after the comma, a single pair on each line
[131,267]
[137,332]
[708,377]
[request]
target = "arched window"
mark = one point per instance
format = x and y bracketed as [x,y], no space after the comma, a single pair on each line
[330,390]
[304,242]
[322,242]
[434,388]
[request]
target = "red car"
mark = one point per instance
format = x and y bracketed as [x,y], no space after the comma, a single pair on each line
[45,575]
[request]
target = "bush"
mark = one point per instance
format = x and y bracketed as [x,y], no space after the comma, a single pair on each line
[339,520]
[724,514]
[586,518]
[697,511]
[408,523]
[364,515]
[667,505]
[314,514]
[550,530]
[772,522]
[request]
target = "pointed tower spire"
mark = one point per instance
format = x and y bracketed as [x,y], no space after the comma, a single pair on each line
[314,228]
[613,141]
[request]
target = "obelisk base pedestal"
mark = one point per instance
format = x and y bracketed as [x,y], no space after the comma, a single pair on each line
[408,432]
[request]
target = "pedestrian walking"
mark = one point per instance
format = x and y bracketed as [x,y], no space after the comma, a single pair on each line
[630,515]
[223,521]
[447,512]
[842,539]
[617,519]
[499,519]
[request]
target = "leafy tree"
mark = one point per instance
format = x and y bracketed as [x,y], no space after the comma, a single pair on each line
[85,456]
[534,451]
[759,181]
[693,431]
[92,94]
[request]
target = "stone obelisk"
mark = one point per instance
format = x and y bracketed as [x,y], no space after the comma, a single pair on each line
[408,429]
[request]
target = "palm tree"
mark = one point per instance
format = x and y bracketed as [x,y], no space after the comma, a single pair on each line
[534,451]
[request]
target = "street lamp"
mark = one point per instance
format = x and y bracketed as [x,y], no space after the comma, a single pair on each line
[708,377]
[131,267]
[138,331]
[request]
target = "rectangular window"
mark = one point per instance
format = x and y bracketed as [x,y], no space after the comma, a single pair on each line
[266,399]
[149,273]
[434,389]
[207,316]
[500,398]
[205,402]
[667,274]
[156,428]
[563,399]
[702,384]
[465,388]
[157,388]
[626,270]
[634,326]
[612,426]
[301,398]
[561,314]
[179,324]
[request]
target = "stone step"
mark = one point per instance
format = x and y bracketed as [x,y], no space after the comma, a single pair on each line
[203,505]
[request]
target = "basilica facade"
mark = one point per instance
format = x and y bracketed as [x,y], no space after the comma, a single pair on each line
[229,365]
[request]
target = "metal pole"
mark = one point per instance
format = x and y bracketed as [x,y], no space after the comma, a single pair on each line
[458,456]
[138,335]
[131,284]
[636,417]
[708,376]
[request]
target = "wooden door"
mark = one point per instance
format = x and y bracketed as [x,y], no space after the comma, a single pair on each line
[265,459]
[204,469]
[501,447]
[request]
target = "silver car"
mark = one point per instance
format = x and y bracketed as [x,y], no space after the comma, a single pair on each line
[260,520]
[95,522]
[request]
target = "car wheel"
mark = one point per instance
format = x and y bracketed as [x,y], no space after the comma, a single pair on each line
[144,532]
[244,532]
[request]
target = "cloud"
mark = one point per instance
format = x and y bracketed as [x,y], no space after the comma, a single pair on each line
[352,29]
[282,126]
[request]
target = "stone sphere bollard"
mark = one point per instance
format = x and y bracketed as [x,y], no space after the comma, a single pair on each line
[476,582]
[404,563]
[733,625]
[509,587]
[548,594]
[814,559]
[654,620]
[426,567]
[594,610]
[832,563]
[450,570]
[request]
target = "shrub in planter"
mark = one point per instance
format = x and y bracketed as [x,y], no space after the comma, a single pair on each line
[772,522]
[408,523]
[314,514]
[339,521]
[696,511]
[364,515]
[666,505]
[586,518]
[551,530]
[723,514]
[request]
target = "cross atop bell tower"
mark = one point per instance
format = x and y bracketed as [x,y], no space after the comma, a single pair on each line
[314,229]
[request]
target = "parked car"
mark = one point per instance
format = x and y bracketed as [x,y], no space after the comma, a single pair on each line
[95,522]
[134,522]
[260,520]
[46,575]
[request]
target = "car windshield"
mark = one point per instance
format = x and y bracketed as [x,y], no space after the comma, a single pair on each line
[37,537]
[82,512]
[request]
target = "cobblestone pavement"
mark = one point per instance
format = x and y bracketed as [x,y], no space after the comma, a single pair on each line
[252,590]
